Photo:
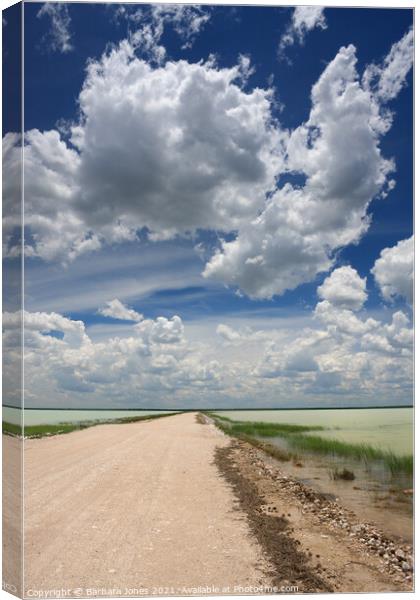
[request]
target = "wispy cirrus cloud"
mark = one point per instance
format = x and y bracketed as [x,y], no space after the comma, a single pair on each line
[58,38]
[386,80]
[147,25]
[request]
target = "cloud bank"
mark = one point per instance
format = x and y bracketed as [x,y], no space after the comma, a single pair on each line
[343,352]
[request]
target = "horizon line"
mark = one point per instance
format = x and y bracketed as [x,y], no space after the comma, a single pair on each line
[212,409]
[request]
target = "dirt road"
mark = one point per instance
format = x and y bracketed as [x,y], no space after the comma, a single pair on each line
[139,506]
[173,507]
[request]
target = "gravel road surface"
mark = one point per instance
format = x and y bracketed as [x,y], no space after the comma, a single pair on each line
[134,509]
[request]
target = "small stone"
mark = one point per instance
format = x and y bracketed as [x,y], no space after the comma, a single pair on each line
[405,566]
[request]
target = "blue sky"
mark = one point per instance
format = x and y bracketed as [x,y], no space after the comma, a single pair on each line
[245,208]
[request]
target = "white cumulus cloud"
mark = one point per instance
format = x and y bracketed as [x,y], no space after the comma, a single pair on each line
[301,227]
[304,19]
[152,361]
[162,330]
[394,270]
[117,310]
[343,353]
[344,288]
[228,333]
[194,151]
[12,168]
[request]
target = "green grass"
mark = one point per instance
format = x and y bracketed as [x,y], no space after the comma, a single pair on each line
[297,438]
[264,429]
[269,449]
[11,428]
[39,431]
[361,452]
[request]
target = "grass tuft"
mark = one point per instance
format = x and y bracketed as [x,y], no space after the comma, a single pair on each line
[344,474]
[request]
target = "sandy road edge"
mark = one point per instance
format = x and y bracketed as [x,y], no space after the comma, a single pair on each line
[290,568]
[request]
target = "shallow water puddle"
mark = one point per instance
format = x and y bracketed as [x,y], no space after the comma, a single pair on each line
[374,495]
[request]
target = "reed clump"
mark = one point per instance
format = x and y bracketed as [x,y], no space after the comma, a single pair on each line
[269,449]
[268,429]
[300,437]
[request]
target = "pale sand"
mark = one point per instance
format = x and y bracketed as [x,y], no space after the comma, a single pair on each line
[12,514]
[139,505]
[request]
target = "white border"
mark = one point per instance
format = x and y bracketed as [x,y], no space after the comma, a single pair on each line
[327,3]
